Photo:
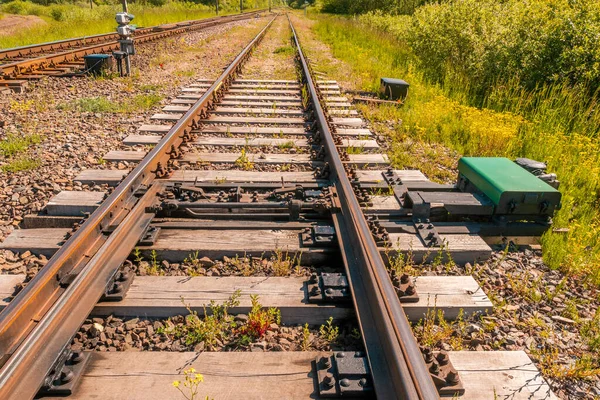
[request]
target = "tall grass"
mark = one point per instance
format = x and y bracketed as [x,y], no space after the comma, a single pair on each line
[555,123]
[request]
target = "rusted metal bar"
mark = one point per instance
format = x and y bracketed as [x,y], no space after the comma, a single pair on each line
[29,66]
[397,366]
[45,315]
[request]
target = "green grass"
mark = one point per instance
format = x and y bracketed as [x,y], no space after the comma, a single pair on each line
[556,124]
[14,144]
[24,163]
[285,50]
[139,102]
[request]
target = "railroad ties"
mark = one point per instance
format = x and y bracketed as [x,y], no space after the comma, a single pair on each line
[249,181]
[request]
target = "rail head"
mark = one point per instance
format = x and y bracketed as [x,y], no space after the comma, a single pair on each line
[404,374]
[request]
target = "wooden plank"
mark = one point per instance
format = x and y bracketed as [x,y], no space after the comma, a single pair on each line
[347,121]
[262,97]
[133,140]
[462,248]
[178,109]
[161,297]
[340,104]
[109,177]
[155,128]
[500,375]
[246,110]
[264,85]
[74,203]
[156,296]
[406,175]
[253,130]
[284,375]
[167,117]
[343,112]
[227,375]
[44,241]
[264,91]
[119,155]
[255,120]
[279,81]
[353,131]
[242,176]
[356,159]
[221,141]
[247,103]
[177,244]
[367,176]
[335,98]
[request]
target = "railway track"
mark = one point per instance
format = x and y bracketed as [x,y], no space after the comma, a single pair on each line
[65,57]
[266,172]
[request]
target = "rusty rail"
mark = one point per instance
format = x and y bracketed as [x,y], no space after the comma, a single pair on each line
[12,70]
[42,319]
[397,366]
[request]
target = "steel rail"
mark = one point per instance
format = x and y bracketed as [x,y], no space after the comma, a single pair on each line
[397,365]
[43,317]
[16,68]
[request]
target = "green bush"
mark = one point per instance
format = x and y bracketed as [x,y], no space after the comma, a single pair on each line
[480,43]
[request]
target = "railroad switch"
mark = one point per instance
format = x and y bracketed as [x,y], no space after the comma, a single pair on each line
[319,236]
[344,374]
[66,373]
[444,375]
[328,288]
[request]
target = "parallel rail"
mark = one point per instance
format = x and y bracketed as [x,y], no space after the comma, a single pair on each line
[70,50]
[29,343]
[395,358]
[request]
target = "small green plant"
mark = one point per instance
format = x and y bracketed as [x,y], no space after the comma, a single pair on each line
[355,149]
[287,145]
[329,331]
[355,334]
[285,50]
[306,342]
[259,320]
[282,263]
[155,267]
[137,254]
[216,325]
[191,382]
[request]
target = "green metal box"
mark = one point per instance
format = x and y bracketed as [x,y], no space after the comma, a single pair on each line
[512,189]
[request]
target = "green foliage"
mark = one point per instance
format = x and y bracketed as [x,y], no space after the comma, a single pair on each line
[138,102]
[480,43]
[259,320]
[329,331]
[305,343]
[13,144]
[363,6]
[556,123]
[211,328]
[21,164]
